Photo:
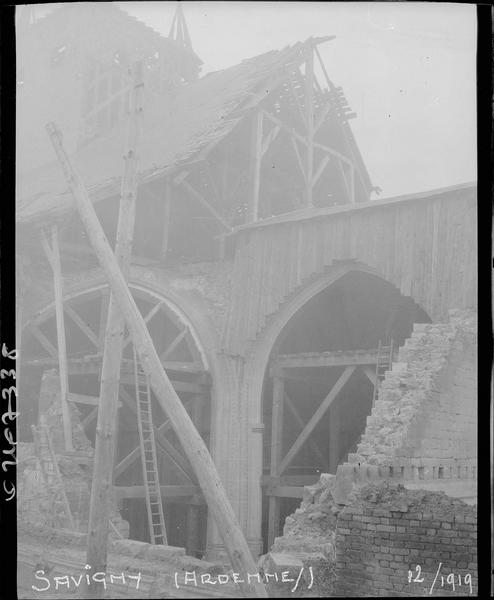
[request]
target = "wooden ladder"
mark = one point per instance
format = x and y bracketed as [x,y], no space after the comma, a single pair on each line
[383,364]
[48,464]
[156,519]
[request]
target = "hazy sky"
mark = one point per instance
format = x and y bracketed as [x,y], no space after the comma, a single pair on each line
[407,69]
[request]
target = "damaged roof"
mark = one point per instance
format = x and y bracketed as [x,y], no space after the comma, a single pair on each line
[176,127]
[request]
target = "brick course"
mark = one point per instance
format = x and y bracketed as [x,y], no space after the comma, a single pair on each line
[378,561]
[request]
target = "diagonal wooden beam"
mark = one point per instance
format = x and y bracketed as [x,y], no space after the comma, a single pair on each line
[322,165]
[299,158]
[43,340]
[193,445]
[371,374]
[147,318]
[200,198]
[315,448]
[316,417]
[174,344]
[89,417]
[105,302]
[255,160]
[172,453]
[297,101]
[269,139]
[136,452]
[322,116]
[89,333]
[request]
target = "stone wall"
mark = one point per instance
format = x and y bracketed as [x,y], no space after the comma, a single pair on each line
[35,501]
[427,403]
[391,542]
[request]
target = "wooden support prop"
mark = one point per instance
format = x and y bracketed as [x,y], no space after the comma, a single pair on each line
[309,121]
[297,101]
[106,428]
[276,453]
[90,417]
[169,350]
[193,510]
[88,332]
[103,317]
[322,116]
[44,341]
[168,492]
[166,219]
[371,374]
[53,255]
[255,159]
[316,417]
[352,184]
[315,448]
[200,198]
[162,443]
[322,165]
[192,443]
[269,139]
[136,452]
[83,399]
[334,438]
[147,318]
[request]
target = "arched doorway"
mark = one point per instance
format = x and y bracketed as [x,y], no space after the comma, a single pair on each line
[319,383]
[184,359]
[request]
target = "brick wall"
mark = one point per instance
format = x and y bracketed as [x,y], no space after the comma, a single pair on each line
[388,531]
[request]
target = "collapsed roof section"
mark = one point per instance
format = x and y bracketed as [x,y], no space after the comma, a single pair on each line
[184,125]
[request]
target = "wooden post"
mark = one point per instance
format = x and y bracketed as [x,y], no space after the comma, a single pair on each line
[334,435]
[107,423]
[194,508]
[166,219]
[256,156]
[53,255]
[309,119]
[192,443]
[276,453]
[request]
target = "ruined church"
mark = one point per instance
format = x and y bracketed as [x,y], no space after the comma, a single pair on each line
[311,349]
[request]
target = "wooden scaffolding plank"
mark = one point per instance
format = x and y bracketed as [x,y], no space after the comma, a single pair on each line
[192,443]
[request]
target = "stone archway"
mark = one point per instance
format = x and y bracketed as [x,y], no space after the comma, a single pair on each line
[306,419]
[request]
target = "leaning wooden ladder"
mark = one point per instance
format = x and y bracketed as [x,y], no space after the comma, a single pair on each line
[47,461]
[156,519]
[383,364]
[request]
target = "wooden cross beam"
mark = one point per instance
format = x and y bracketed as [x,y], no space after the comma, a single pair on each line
[316,417]
[136,452]
[88,332]
[192,443]
[315,448]
[171,452]
[200,198]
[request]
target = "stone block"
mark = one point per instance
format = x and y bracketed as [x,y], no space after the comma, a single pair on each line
[162,552]
[133,548]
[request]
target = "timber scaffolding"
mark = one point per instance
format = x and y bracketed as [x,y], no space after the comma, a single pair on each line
[301,95]
[207,164]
